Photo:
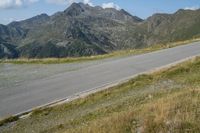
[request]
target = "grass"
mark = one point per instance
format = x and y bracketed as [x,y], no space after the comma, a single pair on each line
[97,57]
[165,101]
[8,120]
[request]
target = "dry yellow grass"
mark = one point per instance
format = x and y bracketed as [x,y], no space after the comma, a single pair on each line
[176,112]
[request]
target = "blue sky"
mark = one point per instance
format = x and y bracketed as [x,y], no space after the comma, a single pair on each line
[11,10]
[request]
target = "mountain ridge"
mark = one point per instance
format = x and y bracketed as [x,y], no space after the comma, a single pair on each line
[83,30]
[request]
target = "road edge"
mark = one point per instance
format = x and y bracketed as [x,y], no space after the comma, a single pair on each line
[25,114]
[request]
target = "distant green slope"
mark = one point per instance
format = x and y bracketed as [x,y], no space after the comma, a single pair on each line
[118,53]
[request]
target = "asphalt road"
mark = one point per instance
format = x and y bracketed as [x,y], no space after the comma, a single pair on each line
[43,91]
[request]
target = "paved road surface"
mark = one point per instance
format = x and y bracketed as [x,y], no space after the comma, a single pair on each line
[39,92]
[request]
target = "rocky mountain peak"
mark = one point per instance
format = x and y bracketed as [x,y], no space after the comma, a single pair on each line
[184,11]
[75,9]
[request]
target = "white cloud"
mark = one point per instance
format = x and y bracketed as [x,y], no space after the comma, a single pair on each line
[88,2]
[110,5]
[61,2]
[192,8]
[9,4]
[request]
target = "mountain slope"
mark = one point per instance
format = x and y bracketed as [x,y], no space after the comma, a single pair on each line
[82,30]
[8,50]
[164,28]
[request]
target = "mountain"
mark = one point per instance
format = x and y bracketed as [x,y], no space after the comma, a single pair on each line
[82,30]
[164,28]
[8,51]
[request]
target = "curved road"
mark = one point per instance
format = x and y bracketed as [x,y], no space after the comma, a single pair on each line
[46,90]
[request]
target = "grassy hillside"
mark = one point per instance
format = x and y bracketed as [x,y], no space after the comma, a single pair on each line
[165,101]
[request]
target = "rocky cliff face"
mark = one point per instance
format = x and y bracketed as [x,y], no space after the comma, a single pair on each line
[83,30]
